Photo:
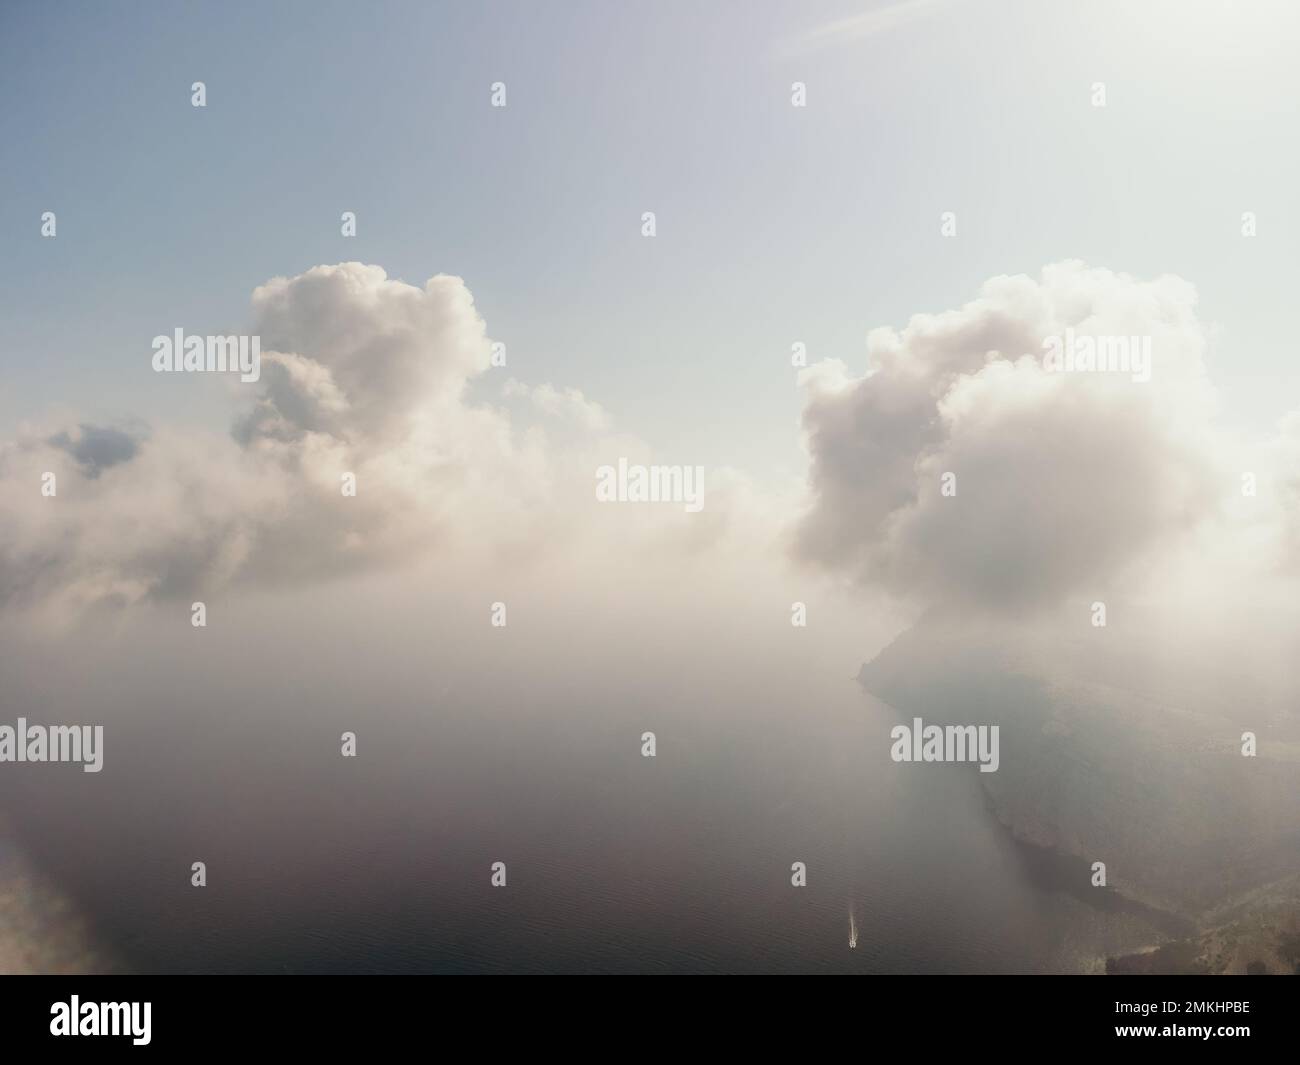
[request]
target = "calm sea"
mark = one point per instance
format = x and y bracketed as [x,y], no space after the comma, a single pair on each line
[615,862]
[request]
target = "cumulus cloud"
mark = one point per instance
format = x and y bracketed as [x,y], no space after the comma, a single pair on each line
[1063,480]
[365,375]
[359,356]
[362,374]
[566,405]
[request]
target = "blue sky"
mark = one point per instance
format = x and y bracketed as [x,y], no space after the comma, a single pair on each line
[775,224]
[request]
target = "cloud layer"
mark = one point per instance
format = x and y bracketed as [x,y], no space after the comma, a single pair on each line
[361,375]
[1066,483]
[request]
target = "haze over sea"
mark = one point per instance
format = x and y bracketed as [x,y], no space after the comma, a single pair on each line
[616,863]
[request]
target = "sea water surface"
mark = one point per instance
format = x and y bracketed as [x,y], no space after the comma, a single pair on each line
[615,862]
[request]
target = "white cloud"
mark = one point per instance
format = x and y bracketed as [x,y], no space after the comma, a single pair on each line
[361,374]
[568,405]
[1064,480]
